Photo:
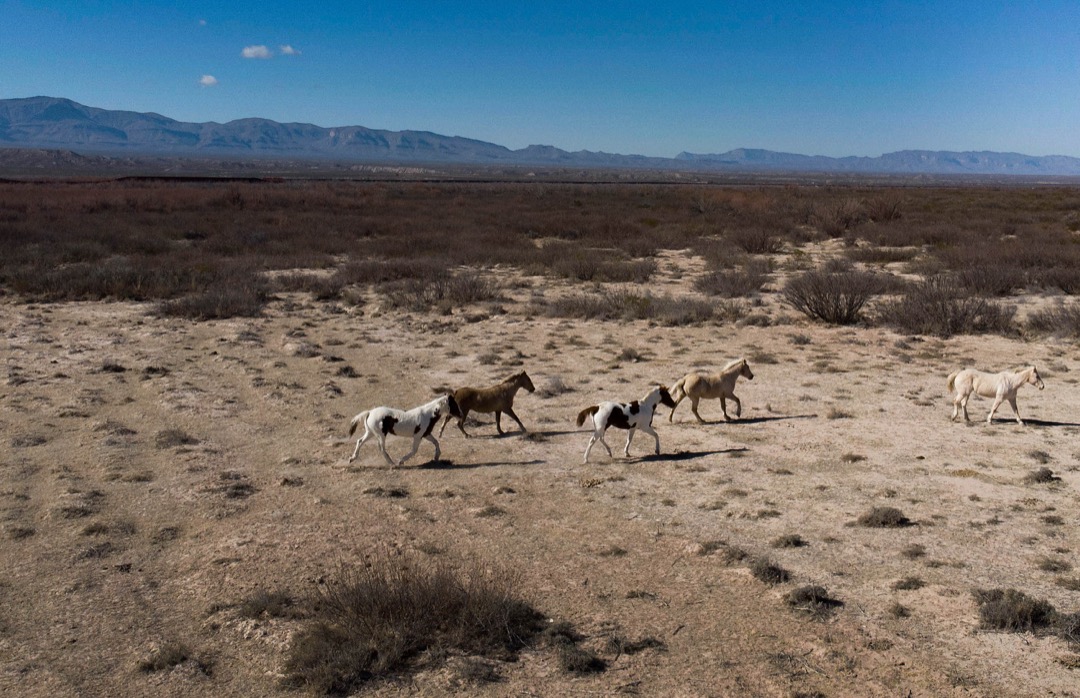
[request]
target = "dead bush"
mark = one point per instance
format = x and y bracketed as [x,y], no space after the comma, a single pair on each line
[814,600]
[397,614]
[1058,321]
[1041,476]
[766,571]
[941,306]
[836,298]
[734,283]
[884,517]
[1013,611]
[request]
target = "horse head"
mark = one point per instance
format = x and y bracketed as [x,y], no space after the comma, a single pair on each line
[523,380]
[745,371]
[1035,379]
[665,396]
[452,405]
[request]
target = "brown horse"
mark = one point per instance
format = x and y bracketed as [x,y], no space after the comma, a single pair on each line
[697,386]
[497,398]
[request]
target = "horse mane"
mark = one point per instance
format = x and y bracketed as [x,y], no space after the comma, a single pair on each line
[732,364]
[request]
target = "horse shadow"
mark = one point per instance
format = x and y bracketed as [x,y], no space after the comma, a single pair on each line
[444,464]
[752,420]
[526,435]
[679,456]
[1037,422]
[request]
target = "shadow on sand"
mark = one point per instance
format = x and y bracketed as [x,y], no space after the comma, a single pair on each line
[752,420]
[1035,423]
[679,456]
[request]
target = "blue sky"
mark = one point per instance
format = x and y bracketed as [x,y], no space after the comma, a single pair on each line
[652,78]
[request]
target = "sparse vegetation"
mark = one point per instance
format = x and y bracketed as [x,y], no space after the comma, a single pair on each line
[397,613]
[884,517]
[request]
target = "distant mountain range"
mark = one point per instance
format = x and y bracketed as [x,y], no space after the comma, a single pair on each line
[61,124]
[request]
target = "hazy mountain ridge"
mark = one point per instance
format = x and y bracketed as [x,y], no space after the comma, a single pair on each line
[56,123]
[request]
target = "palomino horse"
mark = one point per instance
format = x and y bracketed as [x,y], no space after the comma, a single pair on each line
[417,423]
[698,386]
[497,398]
[1000,386]
[635,415]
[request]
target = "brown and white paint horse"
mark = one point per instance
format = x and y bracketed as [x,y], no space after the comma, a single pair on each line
[630,416]
[417,423]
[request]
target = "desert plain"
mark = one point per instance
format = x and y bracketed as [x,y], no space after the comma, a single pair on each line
[157,472]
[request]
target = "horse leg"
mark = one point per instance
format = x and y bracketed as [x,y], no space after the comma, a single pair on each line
[382,447]
[598,435]
[956,407]
[647,428]
[510,411]
[723,408]
[415,448]
[693,408]
[498,422]
[461,423]
[629,438]
[671,415]
[359,443]
[738,407]
[993,408]
[1012,403]
[435,441]
[445,422]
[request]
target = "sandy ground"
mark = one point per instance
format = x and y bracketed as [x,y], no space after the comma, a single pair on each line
[120,538]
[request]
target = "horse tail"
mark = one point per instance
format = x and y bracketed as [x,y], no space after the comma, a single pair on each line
[586,412]
[356,421]
[677,392]
[952,381]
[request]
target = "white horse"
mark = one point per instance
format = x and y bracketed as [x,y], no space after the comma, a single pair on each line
[635,415]
[1000,386]
[417,423]
[697,386]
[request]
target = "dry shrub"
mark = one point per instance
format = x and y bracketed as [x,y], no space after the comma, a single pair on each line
[1013,611]
[943,307]
[224,299]
[766,571]
[628,305]
[396,614]
[272,604]
[573,658]
[734,283]
[814,600]
[908,584]
[1041,476]
[884,517]
[884,208]
[441,293]
[837,218]
[792,540]
[1058,321]
[756,240]
[836,298]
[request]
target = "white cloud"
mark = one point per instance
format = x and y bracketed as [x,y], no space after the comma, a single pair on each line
[208,81]
[288,50]
[256,52]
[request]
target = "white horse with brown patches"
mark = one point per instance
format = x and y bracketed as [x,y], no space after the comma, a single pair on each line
[1000,386]
[630,416]
[417,423]
[709,386]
